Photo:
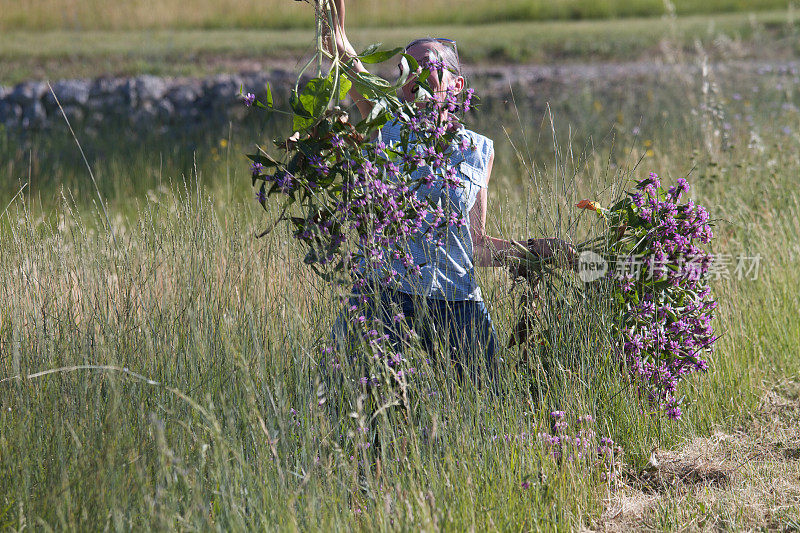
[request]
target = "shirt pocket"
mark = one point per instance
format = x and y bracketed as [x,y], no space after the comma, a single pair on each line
[473,174]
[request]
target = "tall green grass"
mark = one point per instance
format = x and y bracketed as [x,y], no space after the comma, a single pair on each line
[210,410]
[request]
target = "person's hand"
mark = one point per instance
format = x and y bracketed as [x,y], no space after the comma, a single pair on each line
[335,39]
[336,43]
[555,250]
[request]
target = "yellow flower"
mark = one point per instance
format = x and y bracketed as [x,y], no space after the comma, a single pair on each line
[598,106]
[648,143]
[650,152]
[223,143]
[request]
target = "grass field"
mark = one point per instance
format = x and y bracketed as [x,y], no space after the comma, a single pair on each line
[61,54]
[207,411]
[204,14]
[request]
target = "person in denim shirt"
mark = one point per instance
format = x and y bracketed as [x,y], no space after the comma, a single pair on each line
[444,303]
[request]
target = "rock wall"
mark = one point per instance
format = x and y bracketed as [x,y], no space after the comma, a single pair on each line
[147,102]
[140,102]
[152,102]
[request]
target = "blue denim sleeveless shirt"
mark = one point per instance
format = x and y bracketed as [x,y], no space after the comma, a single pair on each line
[447,270]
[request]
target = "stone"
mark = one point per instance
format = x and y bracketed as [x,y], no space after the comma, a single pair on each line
[225,87]
[10,113]
[110,94]
[95,118]
[149,88]
[144,115]
[164,110]
[105,86]
[27,92]
[224,93]
[70,92]
[74,113]
[184,95]
[33,115]
[189,114]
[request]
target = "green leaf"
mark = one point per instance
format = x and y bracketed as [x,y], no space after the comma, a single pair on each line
[297,105]
[302,123]
[316,95]
[264,159]
[344,86]
[619,205]
[269,95]
[372,86]
[379,56]
[424,85]
[406,69]
[370,49]
[312,102]
[311,258]
[262,195]
[657,284]
[412,62]
[324,182]
[309,149]
[269,104]
[378,116]
[294,162]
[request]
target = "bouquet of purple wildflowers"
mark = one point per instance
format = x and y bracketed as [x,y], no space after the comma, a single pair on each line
[351,200]
[349,197]
[660,284]
[656,272]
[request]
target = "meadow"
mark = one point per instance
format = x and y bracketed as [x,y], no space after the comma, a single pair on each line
[160,366]
[89,52]
[205,14]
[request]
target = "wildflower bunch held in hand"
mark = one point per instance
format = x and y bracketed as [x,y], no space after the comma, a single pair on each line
[650,266]
[659,285]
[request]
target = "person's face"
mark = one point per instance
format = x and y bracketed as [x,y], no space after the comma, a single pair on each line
[422,52]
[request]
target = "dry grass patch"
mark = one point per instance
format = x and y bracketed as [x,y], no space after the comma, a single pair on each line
[745,480]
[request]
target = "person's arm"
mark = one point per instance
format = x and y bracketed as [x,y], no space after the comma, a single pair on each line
[346,52]
[495,252]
